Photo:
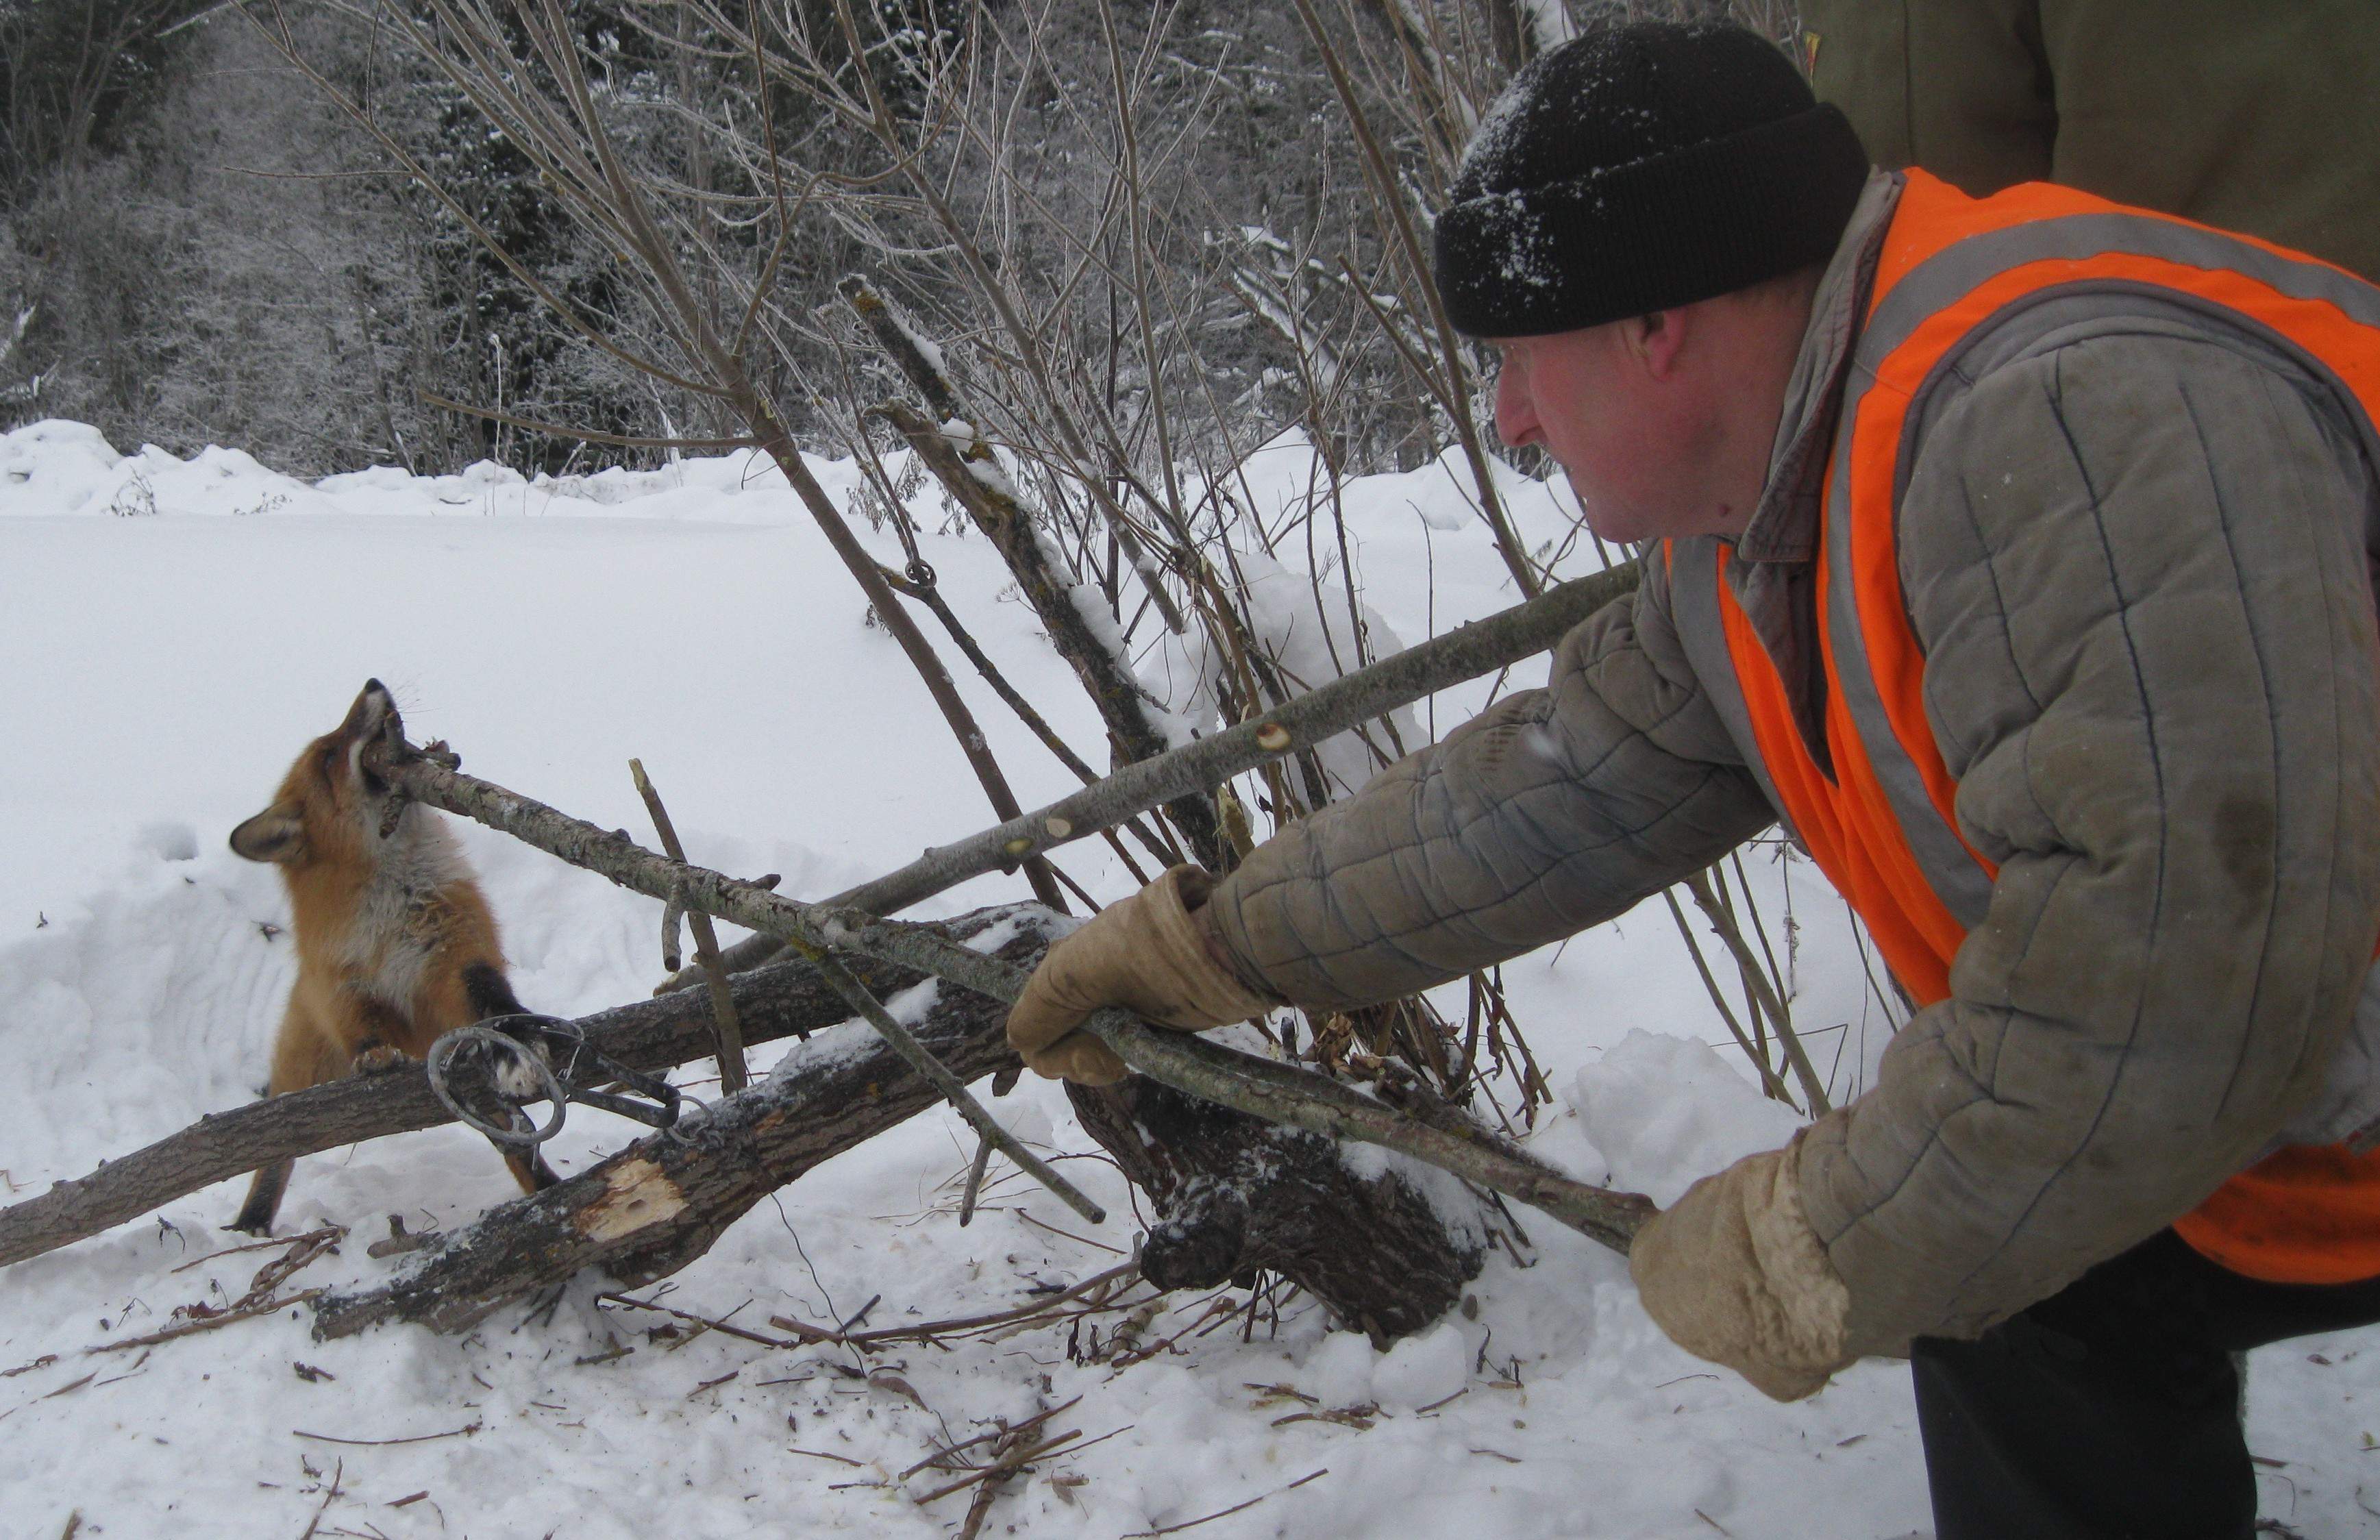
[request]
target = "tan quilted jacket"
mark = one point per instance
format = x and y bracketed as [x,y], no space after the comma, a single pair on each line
[2136,551]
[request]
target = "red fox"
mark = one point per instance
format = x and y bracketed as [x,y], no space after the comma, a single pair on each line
[396,943]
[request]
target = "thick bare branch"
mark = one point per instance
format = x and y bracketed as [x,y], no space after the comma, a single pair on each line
[660,1203]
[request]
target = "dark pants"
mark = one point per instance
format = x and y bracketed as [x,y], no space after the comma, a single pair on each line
[2111,1411]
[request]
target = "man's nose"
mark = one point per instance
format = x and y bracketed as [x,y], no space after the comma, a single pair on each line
[1516,418]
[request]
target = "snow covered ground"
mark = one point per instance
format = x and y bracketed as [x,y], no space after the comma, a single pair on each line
[159,669]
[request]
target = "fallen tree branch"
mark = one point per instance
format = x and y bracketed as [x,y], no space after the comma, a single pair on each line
[651,1208]
[658,1205]
[1304,722]
[782,1000]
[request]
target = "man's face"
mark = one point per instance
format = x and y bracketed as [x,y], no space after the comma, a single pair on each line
[1635,431]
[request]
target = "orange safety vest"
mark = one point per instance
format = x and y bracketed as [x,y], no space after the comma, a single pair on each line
[1882,827]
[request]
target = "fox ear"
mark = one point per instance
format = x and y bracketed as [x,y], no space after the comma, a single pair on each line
[276,834]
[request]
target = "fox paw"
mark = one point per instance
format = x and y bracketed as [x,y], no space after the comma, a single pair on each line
[380,1059]
[517,1079]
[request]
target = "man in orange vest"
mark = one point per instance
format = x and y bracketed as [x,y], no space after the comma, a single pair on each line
[2016,553]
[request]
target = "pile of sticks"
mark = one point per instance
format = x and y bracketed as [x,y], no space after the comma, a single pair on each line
[1241,1154]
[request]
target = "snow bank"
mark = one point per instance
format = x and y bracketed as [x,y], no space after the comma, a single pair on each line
[55,467]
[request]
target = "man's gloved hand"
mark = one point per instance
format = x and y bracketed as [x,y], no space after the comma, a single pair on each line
[1148,956]
[1736,1274]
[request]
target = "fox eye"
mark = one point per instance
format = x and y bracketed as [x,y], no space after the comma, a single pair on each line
[375,784]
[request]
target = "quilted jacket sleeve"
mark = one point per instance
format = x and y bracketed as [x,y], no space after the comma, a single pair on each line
[1558,809]
[2136,566]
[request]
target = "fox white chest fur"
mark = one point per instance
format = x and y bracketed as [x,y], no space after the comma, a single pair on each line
[403,914]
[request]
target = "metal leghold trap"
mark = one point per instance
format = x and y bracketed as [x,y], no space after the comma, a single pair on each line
[483,1056]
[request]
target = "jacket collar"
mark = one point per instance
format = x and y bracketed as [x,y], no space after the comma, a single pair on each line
[1784,528]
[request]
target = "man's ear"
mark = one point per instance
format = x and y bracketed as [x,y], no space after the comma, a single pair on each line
[1655,341]
[276,834]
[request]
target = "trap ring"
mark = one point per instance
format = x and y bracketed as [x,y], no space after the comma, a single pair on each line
[442,1054]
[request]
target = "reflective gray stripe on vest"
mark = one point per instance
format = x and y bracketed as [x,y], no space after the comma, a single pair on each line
[1964,888]
[1957,269]
[1950,869]
[1694,609]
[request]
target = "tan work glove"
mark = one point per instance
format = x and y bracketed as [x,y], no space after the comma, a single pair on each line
[1734,1274]
[1146,954]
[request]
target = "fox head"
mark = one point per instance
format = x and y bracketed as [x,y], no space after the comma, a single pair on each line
[332,807]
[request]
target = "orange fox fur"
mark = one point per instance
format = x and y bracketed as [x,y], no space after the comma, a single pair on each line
[396,944]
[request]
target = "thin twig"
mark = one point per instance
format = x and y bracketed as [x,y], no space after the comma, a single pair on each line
[974,1182]
[932,1329]
[208,1323]
[1006,1465]
[1770,1081]
[463,1432]
[1078,1239]
[254,1246]
[705,1321]
[733,1075]
[1005,1430]
[329,1496]
[1757,979]
[1235,1507]
[839,978]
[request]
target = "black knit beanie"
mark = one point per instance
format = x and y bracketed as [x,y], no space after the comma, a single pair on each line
[1639,166]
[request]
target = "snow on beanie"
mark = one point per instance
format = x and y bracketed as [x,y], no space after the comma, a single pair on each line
[1639,166]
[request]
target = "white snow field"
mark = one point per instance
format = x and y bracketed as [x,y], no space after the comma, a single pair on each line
[158,670]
